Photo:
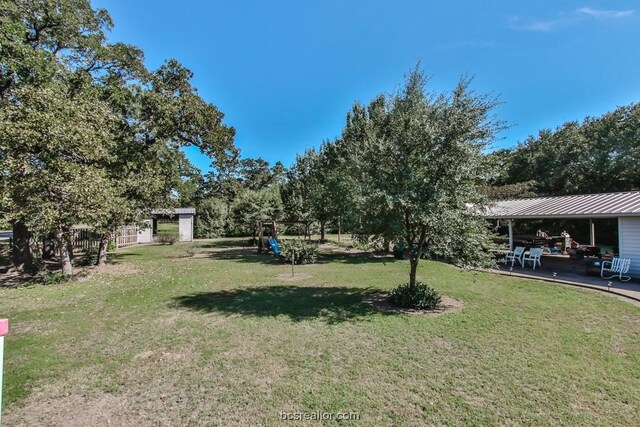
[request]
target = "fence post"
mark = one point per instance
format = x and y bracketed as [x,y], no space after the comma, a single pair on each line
[4,329]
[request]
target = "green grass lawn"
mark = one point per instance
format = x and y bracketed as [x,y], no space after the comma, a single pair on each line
[196,334]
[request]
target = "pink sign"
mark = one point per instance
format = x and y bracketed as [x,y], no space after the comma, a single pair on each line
[4,327]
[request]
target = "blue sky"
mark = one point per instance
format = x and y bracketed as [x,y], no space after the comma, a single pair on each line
[285,73]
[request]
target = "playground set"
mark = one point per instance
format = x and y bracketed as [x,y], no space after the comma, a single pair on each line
[268,234]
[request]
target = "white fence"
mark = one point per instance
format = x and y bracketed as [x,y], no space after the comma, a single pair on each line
[127,236]
[84,239]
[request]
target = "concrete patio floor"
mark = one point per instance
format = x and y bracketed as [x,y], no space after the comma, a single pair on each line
[572,272]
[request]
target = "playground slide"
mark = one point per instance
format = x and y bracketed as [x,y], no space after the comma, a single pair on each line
[274,246]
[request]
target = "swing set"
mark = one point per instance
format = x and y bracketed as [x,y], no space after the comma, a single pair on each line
[268,234]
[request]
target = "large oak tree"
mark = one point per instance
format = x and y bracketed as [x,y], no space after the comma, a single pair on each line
[417,158]
[89,135]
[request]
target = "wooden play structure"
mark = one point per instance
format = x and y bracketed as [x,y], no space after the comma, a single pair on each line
[269,229]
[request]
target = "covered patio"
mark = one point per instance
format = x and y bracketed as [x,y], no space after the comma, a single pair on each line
[564,259]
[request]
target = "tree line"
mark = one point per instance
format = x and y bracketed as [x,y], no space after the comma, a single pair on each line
[597,155]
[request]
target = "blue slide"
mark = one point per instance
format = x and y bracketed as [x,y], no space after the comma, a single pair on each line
[274,246]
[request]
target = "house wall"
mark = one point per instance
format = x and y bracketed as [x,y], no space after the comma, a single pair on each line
[145,234]
[185,227]
[629,238]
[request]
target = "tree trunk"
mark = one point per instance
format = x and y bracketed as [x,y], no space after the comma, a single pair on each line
[21,253]
[339,228]
[385,245]
[322,223]
[414,258]
[414,269]
[63,249]
[69,243]
[102,249]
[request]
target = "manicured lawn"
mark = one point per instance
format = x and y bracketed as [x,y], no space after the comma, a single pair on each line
[196,334]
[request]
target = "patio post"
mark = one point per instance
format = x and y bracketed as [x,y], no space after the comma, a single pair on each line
[510,234]
[592,233]
[4,329]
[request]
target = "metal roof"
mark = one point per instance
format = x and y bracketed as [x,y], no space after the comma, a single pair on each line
[604,205]
[173,211]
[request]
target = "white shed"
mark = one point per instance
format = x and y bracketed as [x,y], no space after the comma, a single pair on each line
[185,222]
[145,234]
[624,206]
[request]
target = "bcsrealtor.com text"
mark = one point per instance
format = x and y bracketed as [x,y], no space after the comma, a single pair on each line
[319,416]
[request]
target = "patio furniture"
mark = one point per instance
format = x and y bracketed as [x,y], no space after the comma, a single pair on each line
[514,255]
[533,256]
[616,267]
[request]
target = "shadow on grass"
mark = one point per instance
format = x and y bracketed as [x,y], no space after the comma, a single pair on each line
[247,255]
[357,258]
[224,243]
[298,303]
[250,255]
[117,257]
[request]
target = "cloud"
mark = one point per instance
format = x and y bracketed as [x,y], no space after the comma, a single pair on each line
[605,14]
[517,23]
[566,19]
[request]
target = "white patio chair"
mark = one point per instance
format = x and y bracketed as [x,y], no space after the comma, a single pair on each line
[514,255]
[533,256]
[616,267]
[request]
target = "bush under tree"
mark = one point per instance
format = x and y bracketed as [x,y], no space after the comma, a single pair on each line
[418,295]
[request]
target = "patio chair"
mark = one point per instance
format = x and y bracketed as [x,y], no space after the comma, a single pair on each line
[616,267]
[533,256]
[514,255]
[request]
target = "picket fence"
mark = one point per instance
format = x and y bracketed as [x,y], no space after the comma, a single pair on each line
[127,236]
[84,239]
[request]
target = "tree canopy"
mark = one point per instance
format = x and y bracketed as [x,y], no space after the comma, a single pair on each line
[595,156]
[89,135]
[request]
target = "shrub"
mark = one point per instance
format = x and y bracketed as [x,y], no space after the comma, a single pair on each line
[304,252]
[51,278]
[367,242]
[421,296]
[168,238]
[211,218]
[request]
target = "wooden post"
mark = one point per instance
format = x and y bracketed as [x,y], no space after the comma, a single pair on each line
[4,330]
[260,243]
[293,263]
[592,232]
[510,235]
